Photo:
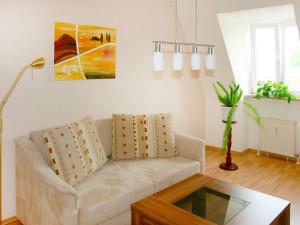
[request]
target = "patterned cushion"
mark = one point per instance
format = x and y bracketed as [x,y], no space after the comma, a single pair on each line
[146,136]
[74,150]
[124,137]
[142,136]
[165,136]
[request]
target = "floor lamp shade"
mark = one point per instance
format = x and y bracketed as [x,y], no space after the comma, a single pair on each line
[38,63]
[158,61]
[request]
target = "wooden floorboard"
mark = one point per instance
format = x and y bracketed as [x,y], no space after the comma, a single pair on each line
[15,223]
[271,175]
[11,221]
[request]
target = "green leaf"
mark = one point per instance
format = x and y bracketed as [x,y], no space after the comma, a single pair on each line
[274,89]
[253,112]
[223,88]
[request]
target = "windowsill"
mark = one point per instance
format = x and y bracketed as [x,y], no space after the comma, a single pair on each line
[271,98]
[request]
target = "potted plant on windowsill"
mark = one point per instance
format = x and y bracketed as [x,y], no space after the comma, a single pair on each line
[274,89]
[230,100]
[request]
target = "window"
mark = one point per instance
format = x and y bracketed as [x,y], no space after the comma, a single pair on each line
[276,54]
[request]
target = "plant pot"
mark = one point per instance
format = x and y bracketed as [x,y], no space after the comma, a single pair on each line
[225,110]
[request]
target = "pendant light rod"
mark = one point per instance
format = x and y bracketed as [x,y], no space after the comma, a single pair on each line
[178,54]
[196,24]
[176,42]
[183,43]
[176,21]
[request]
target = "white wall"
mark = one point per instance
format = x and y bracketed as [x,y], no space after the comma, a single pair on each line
[27,32]
[210,31]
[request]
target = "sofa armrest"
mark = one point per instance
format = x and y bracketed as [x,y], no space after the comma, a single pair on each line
[192,148]
[42,197]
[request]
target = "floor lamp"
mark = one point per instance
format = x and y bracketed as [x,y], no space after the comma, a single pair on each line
[36,64]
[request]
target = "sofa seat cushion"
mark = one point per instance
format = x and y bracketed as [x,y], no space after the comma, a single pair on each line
[113,188]
[109,192]
[162,171]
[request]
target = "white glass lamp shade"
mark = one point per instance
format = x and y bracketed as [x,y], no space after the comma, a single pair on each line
[177,58]
[211,62]
[177,61]
[195,61]
[158,61]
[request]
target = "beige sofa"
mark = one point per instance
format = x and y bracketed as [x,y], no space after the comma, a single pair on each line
[103,198]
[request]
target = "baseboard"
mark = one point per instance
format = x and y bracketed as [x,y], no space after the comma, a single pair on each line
[219,149]
[212,147]
[11,221]
[268,154]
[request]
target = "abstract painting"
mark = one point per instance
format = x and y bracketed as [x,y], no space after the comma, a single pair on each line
[84,52]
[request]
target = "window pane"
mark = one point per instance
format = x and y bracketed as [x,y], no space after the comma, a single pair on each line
[292,58]
[265,53]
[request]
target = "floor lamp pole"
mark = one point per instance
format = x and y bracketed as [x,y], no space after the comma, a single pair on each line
[1,167]
[36,64]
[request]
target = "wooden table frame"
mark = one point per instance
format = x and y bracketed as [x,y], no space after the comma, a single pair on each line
[158,209]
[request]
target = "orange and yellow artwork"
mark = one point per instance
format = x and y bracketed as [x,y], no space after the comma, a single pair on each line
[84,52]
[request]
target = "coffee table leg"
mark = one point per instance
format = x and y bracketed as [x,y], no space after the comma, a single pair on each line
[136,218]
[286,216]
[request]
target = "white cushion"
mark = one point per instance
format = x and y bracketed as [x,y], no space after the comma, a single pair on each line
[104,129]
[109,192]
[112,189]
[163,171]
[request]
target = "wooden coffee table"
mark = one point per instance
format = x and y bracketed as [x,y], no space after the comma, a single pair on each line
[202,200]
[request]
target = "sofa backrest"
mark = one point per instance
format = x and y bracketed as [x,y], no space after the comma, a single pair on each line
[104,128]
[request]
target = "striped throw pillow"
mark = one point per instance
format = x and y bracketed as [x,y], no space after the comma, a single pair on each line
[143,136]
[74,150]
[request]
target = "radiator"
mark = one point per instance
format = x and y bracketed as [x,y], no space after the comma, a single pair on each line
[278,137]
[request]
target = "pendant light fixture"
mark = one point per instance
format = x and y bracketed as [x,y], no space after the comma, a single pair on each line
[158,60]
[211,59]
[177,56]
[195,57]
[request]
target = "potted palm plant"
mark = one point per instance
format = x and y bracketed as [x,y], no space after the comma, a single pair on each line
[230,98]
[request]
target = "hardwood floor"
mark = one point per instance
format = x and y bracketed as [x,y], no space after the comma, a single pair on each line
[271,175]
[15,223]
[11,221]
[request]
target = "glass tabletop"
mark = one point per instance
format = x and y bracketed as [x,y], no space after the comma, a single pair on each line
[212,205]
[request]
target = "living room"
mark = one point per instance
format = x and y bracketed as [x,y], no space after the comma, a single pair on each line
[156,78]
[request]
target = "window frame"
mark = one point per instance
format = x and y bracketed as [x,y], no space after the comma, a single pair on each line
[279,28]
[285,25]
